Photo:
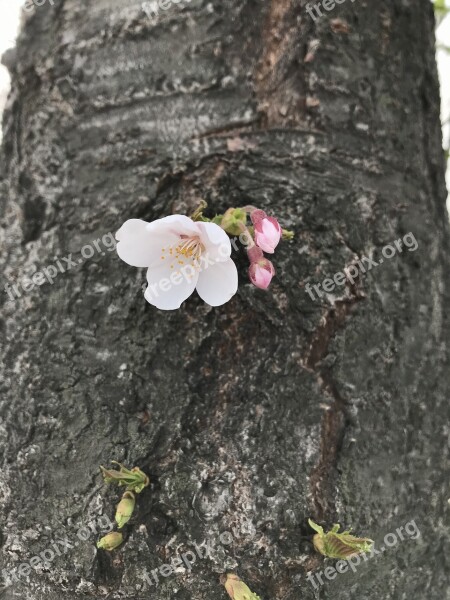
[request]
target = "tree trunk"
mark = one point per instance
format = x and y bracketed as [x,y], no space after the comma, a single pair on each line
[252,417]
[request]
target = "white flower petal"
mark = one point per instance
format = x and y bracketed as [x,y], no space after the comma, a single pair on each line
[174,225]
[216,241]
[167,288]
[218,283]
[139,247]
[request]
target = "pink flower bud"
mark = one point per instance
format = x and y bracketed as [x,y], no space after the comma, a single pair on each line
[267,231]
[261,273]
[257,216]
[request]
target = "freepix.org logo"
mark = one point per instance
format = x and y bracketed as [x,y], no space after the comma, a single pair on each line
[30,4]
[328,5]
[61,265]
[56,547]
[363,266]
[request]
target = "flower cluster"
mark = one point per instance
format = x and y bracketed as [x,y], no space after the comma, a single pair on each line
[183,254]
[267,237]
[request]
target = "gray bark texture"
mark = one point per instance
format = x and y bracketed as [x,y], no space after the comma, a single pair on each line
[251,417]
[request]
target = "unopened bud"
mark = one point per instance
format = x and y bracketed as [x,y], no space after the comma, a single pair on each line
[234,221]
[261,273]
[125,509]
[111,541]
[267,231]
[237,589]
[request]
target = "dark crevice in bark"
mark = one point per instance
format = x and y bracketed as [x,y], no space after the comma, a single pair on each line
[280,83]
[335,418]
[232,129]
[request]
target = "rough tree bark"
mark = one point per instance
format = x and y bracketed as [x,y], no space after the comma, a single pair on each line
[273,408]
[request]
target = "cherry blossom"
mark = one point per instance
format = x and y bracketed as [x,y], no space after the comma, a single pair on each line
[181,255]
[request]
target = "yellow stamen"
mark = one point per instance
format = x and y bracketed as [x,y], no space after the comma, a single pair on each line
[188,250]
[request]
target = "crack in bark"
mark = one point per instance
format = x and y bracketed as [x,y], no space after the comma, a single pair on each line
[280,83]
[230,129]
[335,418]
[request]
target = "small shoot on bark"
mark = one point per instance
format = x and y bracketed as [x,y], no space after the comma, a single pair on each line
[134,480]
[125,509]
[237,589]
[111,541]
[339,545]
